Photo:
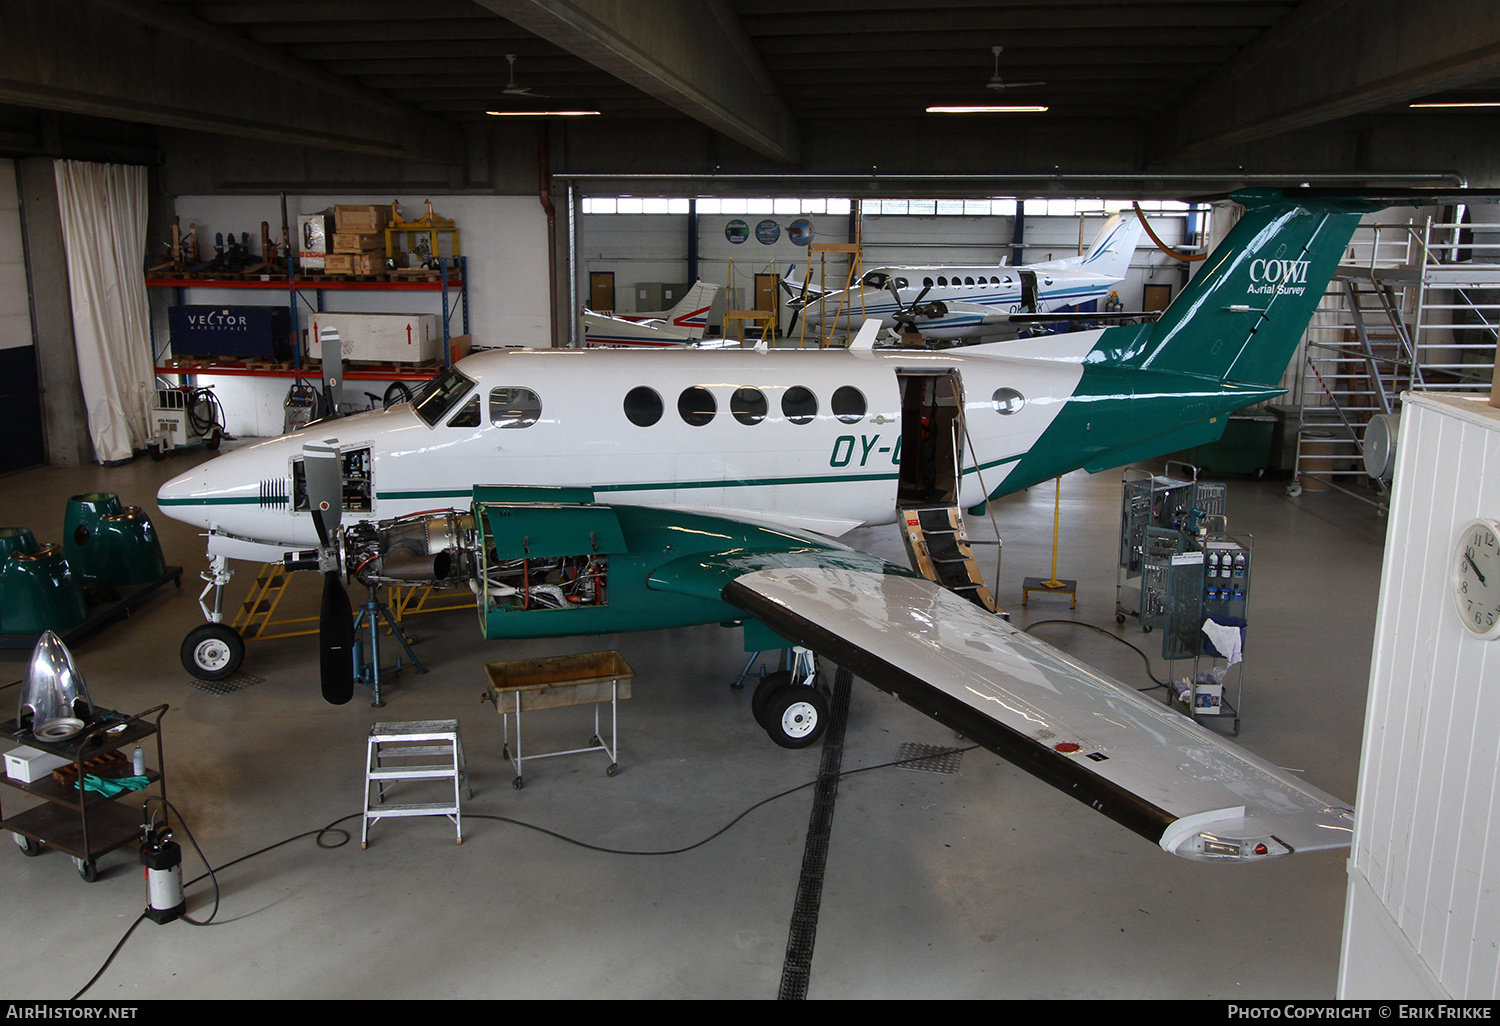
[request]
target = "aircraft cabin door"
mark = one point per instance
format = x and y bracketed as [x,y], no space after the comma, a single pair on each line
[1028,291]
[931,439]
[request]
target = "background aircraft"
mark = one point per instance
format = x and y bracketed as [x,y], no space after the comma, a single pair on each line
[643,490]
[684,323]
[948,302]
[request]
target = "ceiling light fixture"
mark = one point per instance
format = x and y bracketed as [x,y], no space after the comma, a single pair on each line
[541,113]
[1009,108]
[1464,103]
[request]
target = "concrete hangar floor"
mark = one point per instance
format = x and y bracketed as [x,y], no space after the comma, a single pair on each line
[682,875]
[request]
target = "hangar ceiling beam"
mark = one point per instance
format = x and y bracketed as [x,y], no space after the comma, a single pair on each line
[1389,51]
[141,61]
[705,67]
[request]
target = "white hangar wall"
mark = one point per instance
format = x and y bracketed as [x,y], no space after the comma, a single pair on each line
[1423,906]
[652,248]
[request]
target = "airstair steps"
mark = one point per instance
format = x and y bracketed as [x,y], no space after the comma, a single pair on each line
[940,550]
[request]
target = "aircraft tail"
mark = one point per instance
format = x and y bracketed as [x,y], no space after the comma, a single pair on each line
[1112,248]
[1240,318]
[691,312]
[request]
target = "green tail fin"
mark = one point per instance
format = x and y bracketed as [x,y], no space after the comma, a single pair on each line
[1241,316]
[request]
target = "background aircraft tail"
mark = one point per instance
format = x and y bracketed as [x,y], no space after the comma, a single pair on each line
[691,312]
[1242,315]
[1112,248]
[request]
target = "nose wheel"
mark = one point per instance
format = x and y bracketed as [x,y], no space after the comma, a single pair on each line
[212,651]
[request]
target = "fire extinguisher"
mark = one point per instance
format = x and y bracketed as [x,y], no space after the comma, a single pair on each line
[163,861]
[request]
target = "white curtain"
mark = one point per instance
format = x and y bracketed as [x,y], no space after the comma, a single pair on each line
[103,209]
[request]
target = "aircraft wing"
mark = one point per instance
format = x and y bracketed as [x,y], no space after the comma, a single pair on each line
[1128,756]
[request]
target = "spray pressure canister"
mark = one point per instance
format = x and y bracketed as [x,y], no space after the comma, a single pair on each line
[163,861]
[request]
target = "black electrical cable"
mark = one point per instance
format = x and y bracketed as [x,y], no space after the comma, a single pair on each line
[335,828]
[330,828]
[1109,634]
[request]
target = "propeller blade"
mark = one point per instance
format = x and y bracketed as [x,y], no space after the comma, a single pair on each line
[325,487]
[336,641]
[331,348]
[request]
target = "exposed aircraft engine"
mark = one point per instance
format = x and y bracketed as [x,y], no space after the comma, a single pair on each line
[559,583]
[434,548]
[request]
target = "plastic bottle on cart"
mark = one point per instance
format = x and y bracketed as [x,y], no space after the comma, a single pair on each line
[1213,564]
[1239,565]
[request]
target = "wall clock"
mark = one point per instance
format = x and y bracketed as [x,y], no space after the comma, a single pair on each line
[1476,578]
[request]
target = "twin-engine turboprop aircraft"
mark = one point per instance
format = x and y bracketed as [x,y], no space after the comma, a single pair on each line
[947,302]
[597,491]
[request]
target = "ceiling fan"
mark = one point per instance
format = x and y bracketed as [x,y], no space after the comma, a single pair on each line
[514,90]
[998,84]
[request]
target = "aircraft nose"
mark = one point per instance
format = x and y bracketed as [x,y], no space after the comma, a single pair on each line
[181,498]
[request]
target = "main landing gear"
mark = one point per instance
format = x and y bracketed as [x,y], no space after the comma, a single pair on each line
[790,704]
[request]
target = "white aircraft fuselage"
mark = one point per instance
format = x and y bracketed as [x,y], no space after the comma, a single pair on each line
[800,439]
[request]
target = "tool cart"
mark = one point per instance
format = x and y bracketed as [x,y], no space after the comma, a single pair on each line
[84,824]
[1158,514]
[1207,611]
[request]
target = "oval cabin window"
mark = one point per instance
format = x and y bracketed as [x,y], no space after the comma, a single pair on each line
[1008,401]
[643,406]
[748,405]
[514,407]
[696,405]
[849,404]
[799,405]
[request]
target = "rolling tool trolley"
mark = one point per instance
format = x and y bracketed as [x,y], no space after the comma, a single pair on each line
[84,824]
[1158,514]
[1207,613]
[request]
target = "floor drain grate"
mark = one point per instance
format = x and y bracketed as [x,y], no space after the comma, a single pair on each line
[929,758]
[229,685]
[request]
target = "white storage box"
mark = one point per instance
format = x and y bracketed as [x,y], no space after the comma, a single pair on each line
[314,235]
[381,338]
[29,764]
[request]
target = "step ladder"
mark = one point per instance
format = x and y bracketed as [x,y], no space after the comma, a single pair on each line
[940,550]
[434,741]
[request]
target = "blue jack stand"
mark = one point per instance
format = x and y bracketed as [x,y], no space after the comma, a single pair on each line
[371,614]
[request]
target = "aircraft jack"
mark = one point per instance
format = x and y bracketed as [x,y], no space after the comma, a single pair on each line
[371,614]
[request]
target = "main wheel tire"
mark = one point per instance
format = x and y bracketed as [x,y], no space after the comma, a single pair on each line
[796,716]
[212,651]
[769,685]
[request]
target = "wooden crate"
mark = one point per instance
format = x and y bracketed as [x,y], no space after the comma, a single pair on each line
[354,263]
[358,242]
[361,218]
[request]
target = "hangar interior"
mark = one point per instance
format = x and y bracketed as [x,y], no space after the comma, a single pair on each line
[699,860]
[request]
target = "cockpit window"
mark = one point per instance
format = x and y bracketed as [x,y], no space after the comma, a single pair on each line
[467,417]
[441,394]
[874,280]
